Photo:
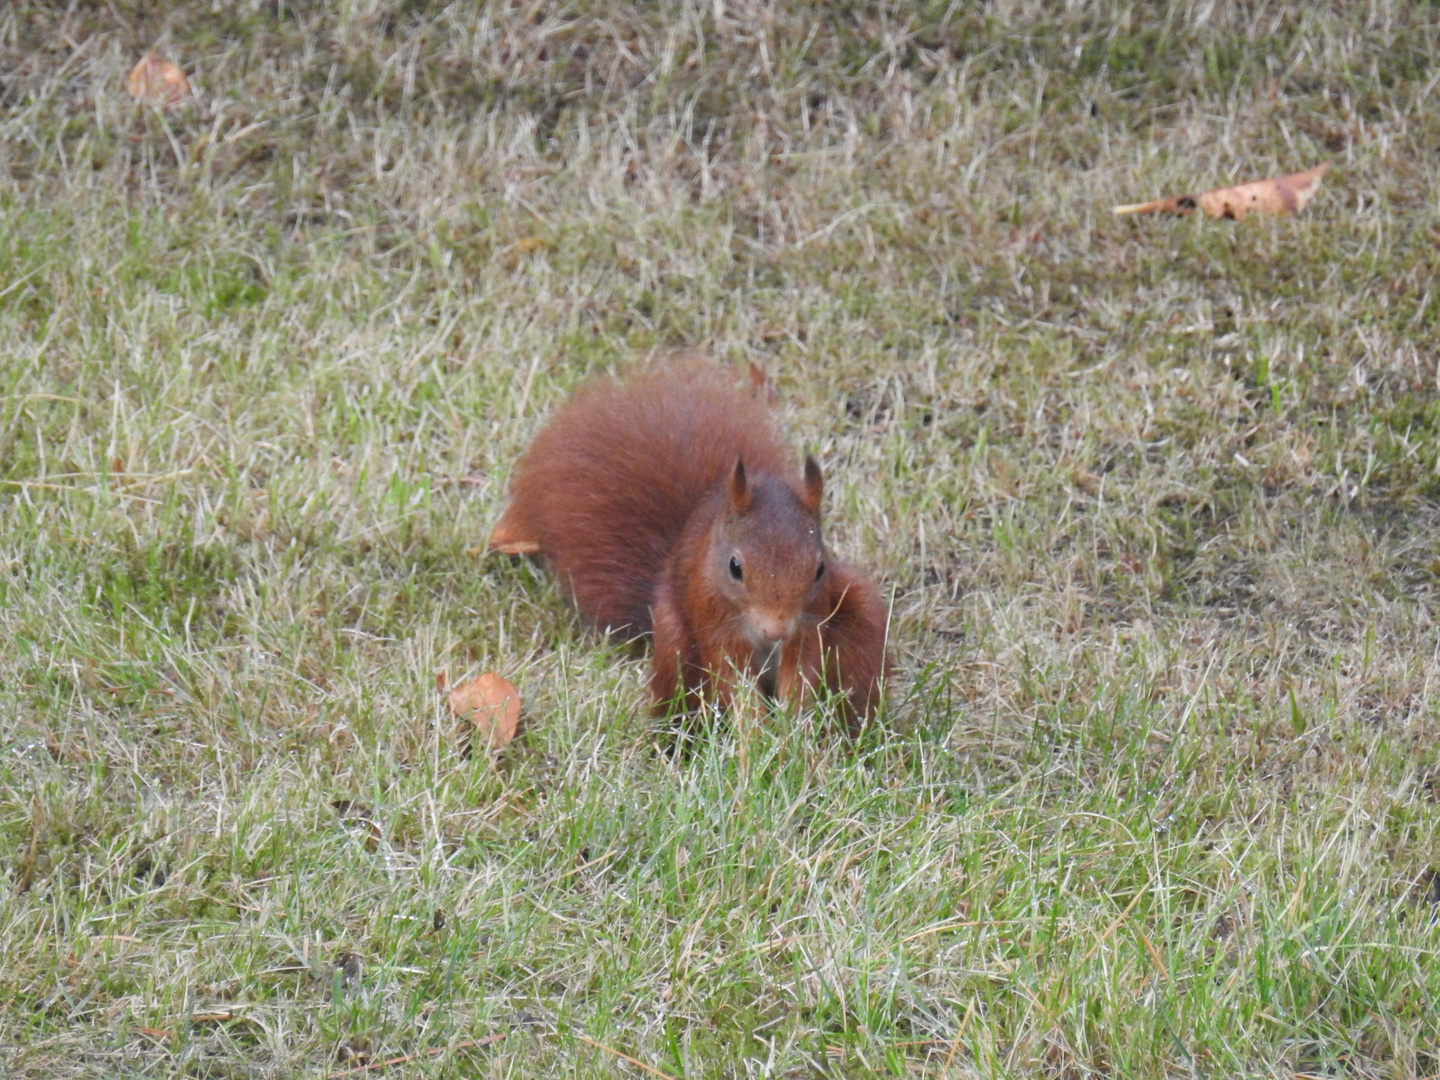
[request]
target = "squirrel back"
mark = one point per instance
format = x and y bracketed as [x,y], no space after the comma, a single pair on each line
[607,486]
[670,504]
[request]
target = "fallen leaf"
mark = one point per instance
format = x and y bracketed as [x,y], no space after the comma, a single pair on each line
[157,82]
[159,1034]
[491,706]
[1278,195]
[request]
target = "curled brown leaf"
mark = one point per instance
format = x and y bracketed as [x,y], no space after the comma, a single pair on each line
[157,82]
[491,706]
[1287,194]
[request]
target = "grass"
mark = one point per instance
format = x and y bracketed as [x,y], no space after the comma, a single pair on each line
[1156,502]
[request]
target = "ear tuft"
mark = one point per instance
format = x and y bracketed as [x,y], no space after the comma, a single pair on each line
[814,485]
[738,495]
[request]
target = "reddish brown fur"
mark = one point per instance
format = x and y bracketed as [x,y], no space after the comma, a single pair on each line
[633,495]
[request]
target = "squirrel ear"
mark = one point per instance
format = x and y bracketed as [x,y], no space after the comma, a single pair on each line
[737,493]
[814,484]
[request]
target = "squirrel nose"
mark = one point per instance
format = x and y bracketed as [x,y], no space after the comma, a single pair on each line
[773,628]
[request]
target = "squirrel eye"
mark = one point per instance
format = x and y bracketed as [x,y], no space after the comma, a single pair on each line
[820,570]
[735,571]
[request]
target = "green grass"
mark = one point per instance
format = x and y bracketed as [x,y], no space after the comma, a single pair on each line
[1157,503]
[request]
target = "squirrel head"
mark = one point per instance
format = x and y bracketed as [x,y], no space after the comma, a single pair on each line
[767,559]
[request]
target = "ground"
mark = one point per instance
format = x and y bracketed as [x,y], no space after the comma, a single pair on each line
[1154,501]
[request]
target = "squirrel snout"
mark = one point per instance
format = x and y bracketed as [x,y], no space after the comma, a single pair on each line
[769,628]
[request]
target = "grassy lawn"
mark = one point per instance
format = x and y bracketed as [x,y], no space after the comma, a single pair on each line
[1156,502]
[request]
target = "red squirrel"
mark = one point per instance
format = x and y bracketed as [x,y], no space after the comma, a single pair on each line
[668,504]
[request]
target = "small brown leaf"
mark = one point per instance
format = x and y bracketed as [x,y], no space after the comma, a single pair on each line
[157,82]
[491,706]
[1278,195]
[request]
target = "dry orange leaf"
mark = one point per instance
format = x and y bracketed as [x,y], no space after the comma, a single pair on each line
[1278,195]
[491,706]
[157,82]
